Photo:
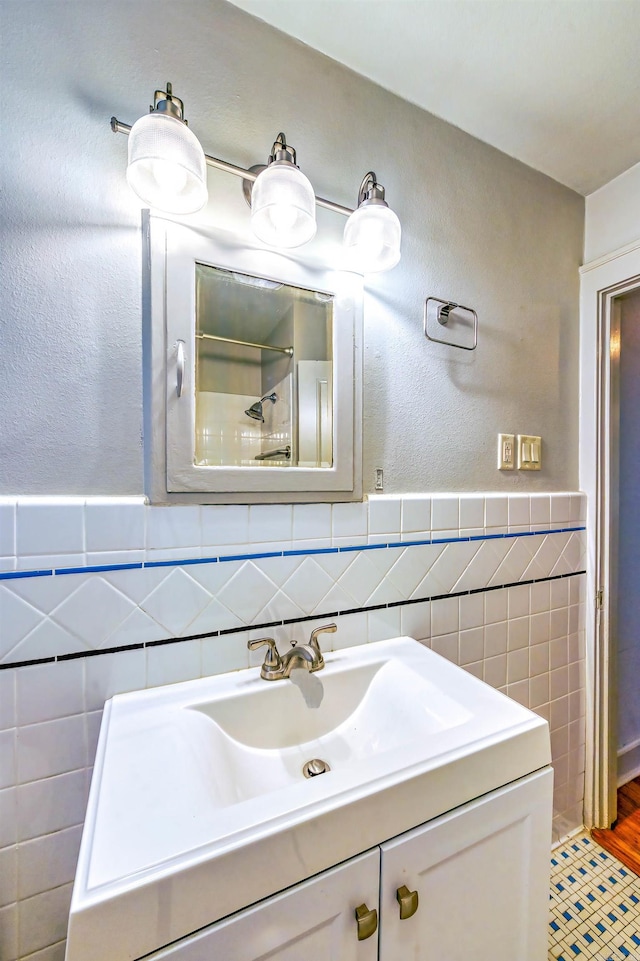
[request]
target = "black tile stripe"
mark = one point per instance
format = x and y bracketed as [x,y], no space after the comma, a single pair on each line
[327,615]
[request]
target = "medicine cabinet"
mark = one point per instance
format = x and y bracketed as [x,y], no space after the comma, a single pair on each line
[252,372]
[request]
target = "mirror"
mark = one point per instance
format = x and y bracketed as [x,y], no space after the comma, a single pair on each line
[263,372]
[253,372]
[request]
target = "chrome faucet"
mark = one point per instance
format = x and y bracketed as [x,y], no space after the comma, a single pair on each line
[306,657]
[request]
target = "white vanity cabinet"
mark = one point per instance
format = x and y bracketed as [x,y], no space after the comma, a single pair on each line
[481,874]
[482,877]
[312,921]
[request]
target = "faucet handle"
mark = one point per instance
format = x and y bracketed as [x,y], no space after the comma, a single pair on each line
[272,665]
[313,642]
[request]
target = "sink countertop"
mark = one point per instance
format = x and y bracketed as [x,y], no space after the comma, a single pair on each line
[198,808]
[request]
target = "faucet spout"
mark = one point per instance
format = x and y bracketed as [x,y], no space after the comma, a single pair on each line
[299,658]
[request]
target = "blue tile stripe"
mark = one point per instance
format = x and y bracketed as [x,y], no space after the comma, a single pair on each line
[257,555]
[14,575]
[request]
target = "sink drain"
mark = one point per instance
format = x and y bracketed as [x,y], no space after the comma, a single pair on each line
[314,767]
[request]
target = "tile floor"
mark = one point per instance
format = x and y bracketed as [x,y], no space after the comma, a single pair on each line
[595,905]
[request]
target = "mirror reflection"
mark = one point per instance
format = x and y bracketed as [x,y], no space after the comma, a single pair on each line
[264,372]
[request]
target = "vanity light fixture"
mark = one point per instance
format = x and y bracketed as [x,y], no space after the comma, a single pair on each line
[167,170]
[167,167]
[283,204]
[372,232]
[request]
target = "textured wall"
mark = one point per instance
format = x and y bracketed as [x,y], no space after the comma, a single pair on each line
[478,227]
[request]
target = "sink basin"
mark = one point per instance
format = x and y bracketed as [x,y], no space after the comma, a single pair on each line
[262,736]
[202,782]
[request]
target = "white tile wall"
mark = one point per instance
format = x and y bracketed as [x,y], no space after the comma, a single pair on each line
[526,640]
[416,514]
[114,527]
[43,530]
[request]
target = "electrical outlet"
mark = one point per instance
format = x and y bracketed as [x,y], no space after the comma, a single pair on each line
[379,479]
[506,452]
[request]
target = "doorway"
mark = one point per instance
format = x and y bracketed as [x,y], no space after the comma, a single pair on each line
[609,288]
[625,385]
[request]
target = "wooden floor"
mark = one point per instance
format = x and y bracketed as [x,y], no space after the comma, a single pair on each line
[623,840]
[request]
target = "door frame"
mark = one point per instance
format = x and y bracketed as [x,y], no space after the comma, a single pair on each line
[602,282]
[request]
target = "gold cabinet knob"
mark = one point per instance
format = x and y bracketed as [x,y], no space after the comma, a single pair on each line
[367,921]
[408,901]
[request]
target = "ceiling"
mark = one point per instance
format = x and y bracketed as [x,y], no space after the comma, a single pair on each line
[554,83]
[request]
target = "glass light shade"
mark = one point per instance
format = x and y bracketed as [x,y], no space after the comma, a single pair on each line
[372,238]
[283,206]
[167,169]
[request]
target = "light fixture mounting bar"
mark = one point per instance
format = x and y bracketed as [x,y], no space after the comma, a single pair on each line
[118,127]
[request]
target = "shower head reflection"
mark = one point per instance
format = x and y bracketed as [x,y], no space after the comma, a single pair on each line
[255,411]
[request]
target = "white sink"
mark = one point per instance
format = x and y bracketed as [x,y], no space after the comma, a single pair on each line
[262,736]
[199,805]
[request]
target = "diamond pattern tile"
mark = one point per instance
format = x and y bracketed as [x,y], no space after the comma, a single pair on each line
[46,593]
[278,608]
[17,619]
[138,584]
[482,567]
[385,593]
[214,617]
[93,611]
[451,563]
[46,640]
[384,558]
[361,578]
[573,555]
[308,584]
[138,628]
[429,584]
[115,608]
[334,564]
[176,601]
[411,567]
[279,569]
[546,557]
[213,577]
[335,600]
[247,592]
[516,561]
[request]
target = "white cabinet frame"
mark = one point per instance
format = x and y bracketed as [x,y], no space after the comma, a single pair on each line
[169,312]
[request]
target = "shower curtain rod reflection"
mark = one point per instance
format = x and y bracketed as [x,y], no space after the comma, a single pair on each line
[246,343]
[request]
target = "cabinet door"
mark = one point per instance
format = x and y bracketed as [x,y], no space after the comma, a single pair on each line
[481,873]
[313,921]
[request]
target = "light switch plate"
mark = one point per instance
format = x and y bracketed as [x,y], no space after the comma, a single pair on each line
[529,452]
[506,452]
